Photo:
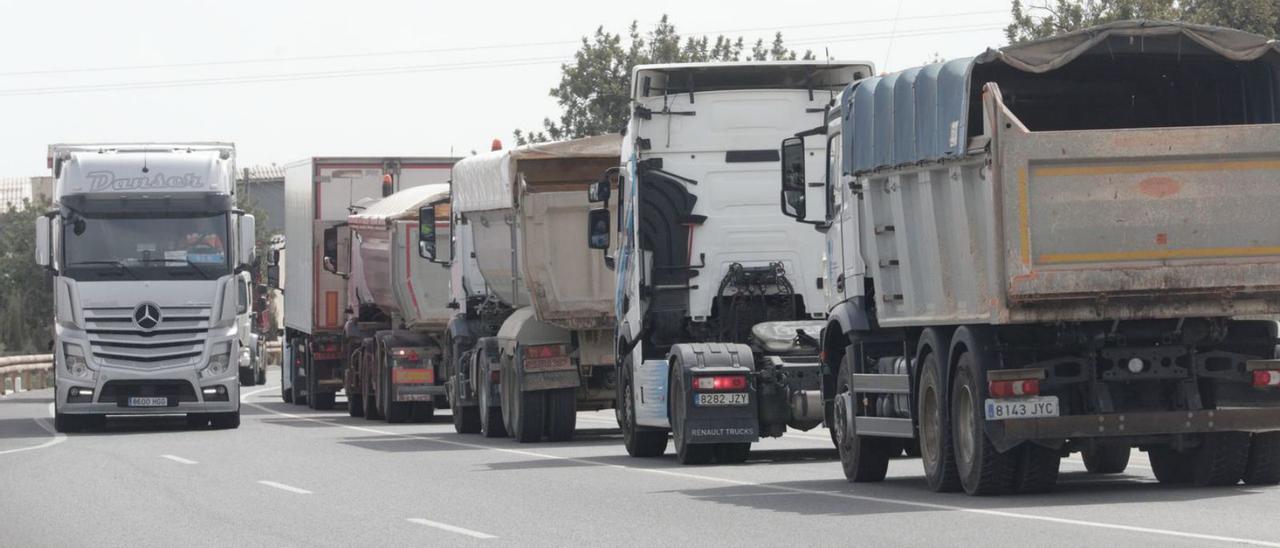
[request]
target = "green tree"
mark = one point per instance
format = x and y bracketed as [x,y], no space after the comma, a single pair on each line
[593,93]
[1031,22]
[26,291]
[262,238]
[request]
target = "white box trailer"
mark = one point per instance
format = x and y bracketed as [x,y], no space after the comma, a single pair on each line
[320,193]
[534,345]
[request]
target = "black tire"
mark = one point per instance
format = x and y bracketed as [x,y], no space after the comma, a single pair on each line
[262,375]
[686,452]
[1106,459]
[313,386]
[1264,459]
[324,402]
[640,441]
[286,394]
[63,422]
[983,469]
[491,425]
[1221,459]
[371,409]
[1037,470]
[398,411]
[1170,466]
[936,451]
[732,453]
[422,411]
[562,414]
[865,459]
[225,421]
[247,377]
[197,420]
[355,405]
[466,420]
[528,414]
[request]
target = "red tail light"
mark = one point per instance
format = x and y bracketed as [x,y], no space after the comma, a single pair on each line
[1266,378]
[544,351]
[720,382]
[1011,389]
[405,354]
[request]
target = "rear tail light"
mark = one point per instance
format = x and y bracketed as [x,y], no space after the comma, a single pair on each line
[545,351]
[1011,389]
[1266,378]
[405,354]
[720,382]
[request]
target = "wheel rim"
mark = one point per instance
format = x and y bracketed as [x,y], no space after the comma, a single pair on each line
[842,424]
[964,426]
[930,428]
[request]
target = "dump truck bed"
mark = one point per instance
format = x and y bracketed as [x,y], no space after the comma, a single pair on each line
[1080,225]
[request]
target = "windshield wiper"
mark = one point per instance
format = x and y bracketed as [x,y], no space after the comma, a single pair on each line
[188,262]
[118,264]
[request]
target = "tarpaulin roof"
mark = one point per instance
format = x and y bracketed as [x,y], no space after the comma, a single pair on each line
[485,181]
[921,114]
[401,205]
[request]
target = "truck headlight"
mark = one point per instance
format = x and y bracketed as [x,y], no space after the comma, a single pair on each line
[219,360]
[74,362]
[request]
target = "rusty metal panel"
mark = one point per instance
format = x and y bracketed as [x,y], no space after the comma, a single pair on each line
[1139,223]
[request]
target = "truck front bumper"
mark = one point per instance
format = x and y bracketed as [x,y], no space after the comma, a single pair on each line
[1247,419]
[186,392]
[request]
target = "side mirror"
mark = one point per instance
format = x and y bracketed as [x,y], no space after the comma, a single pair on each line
[793,178]
[273,275]
[273,258]
[433,233]
[44,227]
[334,260]
[248,240]
[598,233]
[599,191]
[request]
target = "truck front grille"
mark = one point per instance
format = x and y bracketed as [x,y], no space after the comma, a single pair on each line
[178,339]
[114,391]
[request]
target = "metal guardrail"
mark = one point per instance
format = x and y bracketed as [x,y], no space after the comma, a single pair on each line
[32,372]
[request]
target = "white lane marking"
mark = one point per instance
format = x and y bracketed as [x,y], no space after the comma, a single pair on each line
[245,395]
[787,489]
[284,487]
[43,423]
[451,528]
[176,458]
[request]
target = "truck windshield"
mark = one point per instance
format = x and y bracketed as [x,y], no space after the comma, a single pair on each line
[154,247]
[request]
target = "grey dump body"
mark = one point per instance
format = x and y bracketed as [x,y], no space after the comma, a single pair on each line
[1045,249]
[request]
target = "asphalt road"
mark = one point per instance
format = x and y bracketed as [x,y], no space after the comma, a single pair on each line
[294,477]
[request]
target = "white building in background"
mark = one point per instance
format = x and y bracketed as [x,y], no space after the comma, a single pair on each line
[14,190]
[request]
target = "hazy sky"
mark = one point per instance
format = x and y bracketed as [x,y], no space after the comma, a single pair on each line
[486,69]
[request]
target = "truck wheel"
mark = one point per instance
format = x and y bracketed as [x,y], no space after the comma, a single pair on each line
[286,394]
[686,453]
[246,376]
[528,414]
[936,449]
[1106,459]
[324,402]
[732,453]
[371,409]
[639,441]
[1170,466]
[262,375]
[983,470]
[490,416]
[398,412]
[864,458]
[355,405]
[421,411]
[197,420]
[562,413]
[1221,459]
[225,421]
[466,420]
[1037,468]
[1264,459]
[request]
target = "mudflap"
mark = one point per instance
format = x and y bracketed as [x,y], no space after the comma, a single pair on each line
[715,424]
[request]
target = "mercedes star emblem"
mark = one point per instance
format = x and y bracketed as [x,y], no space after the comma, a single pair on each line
[147,315]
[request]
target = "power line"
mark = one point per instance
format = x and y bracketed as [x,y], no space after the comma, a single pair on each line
[383,71]
[358,55]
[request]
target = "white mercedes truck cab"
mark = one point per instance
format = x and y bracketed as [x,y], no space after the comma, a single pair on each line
[144,242]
